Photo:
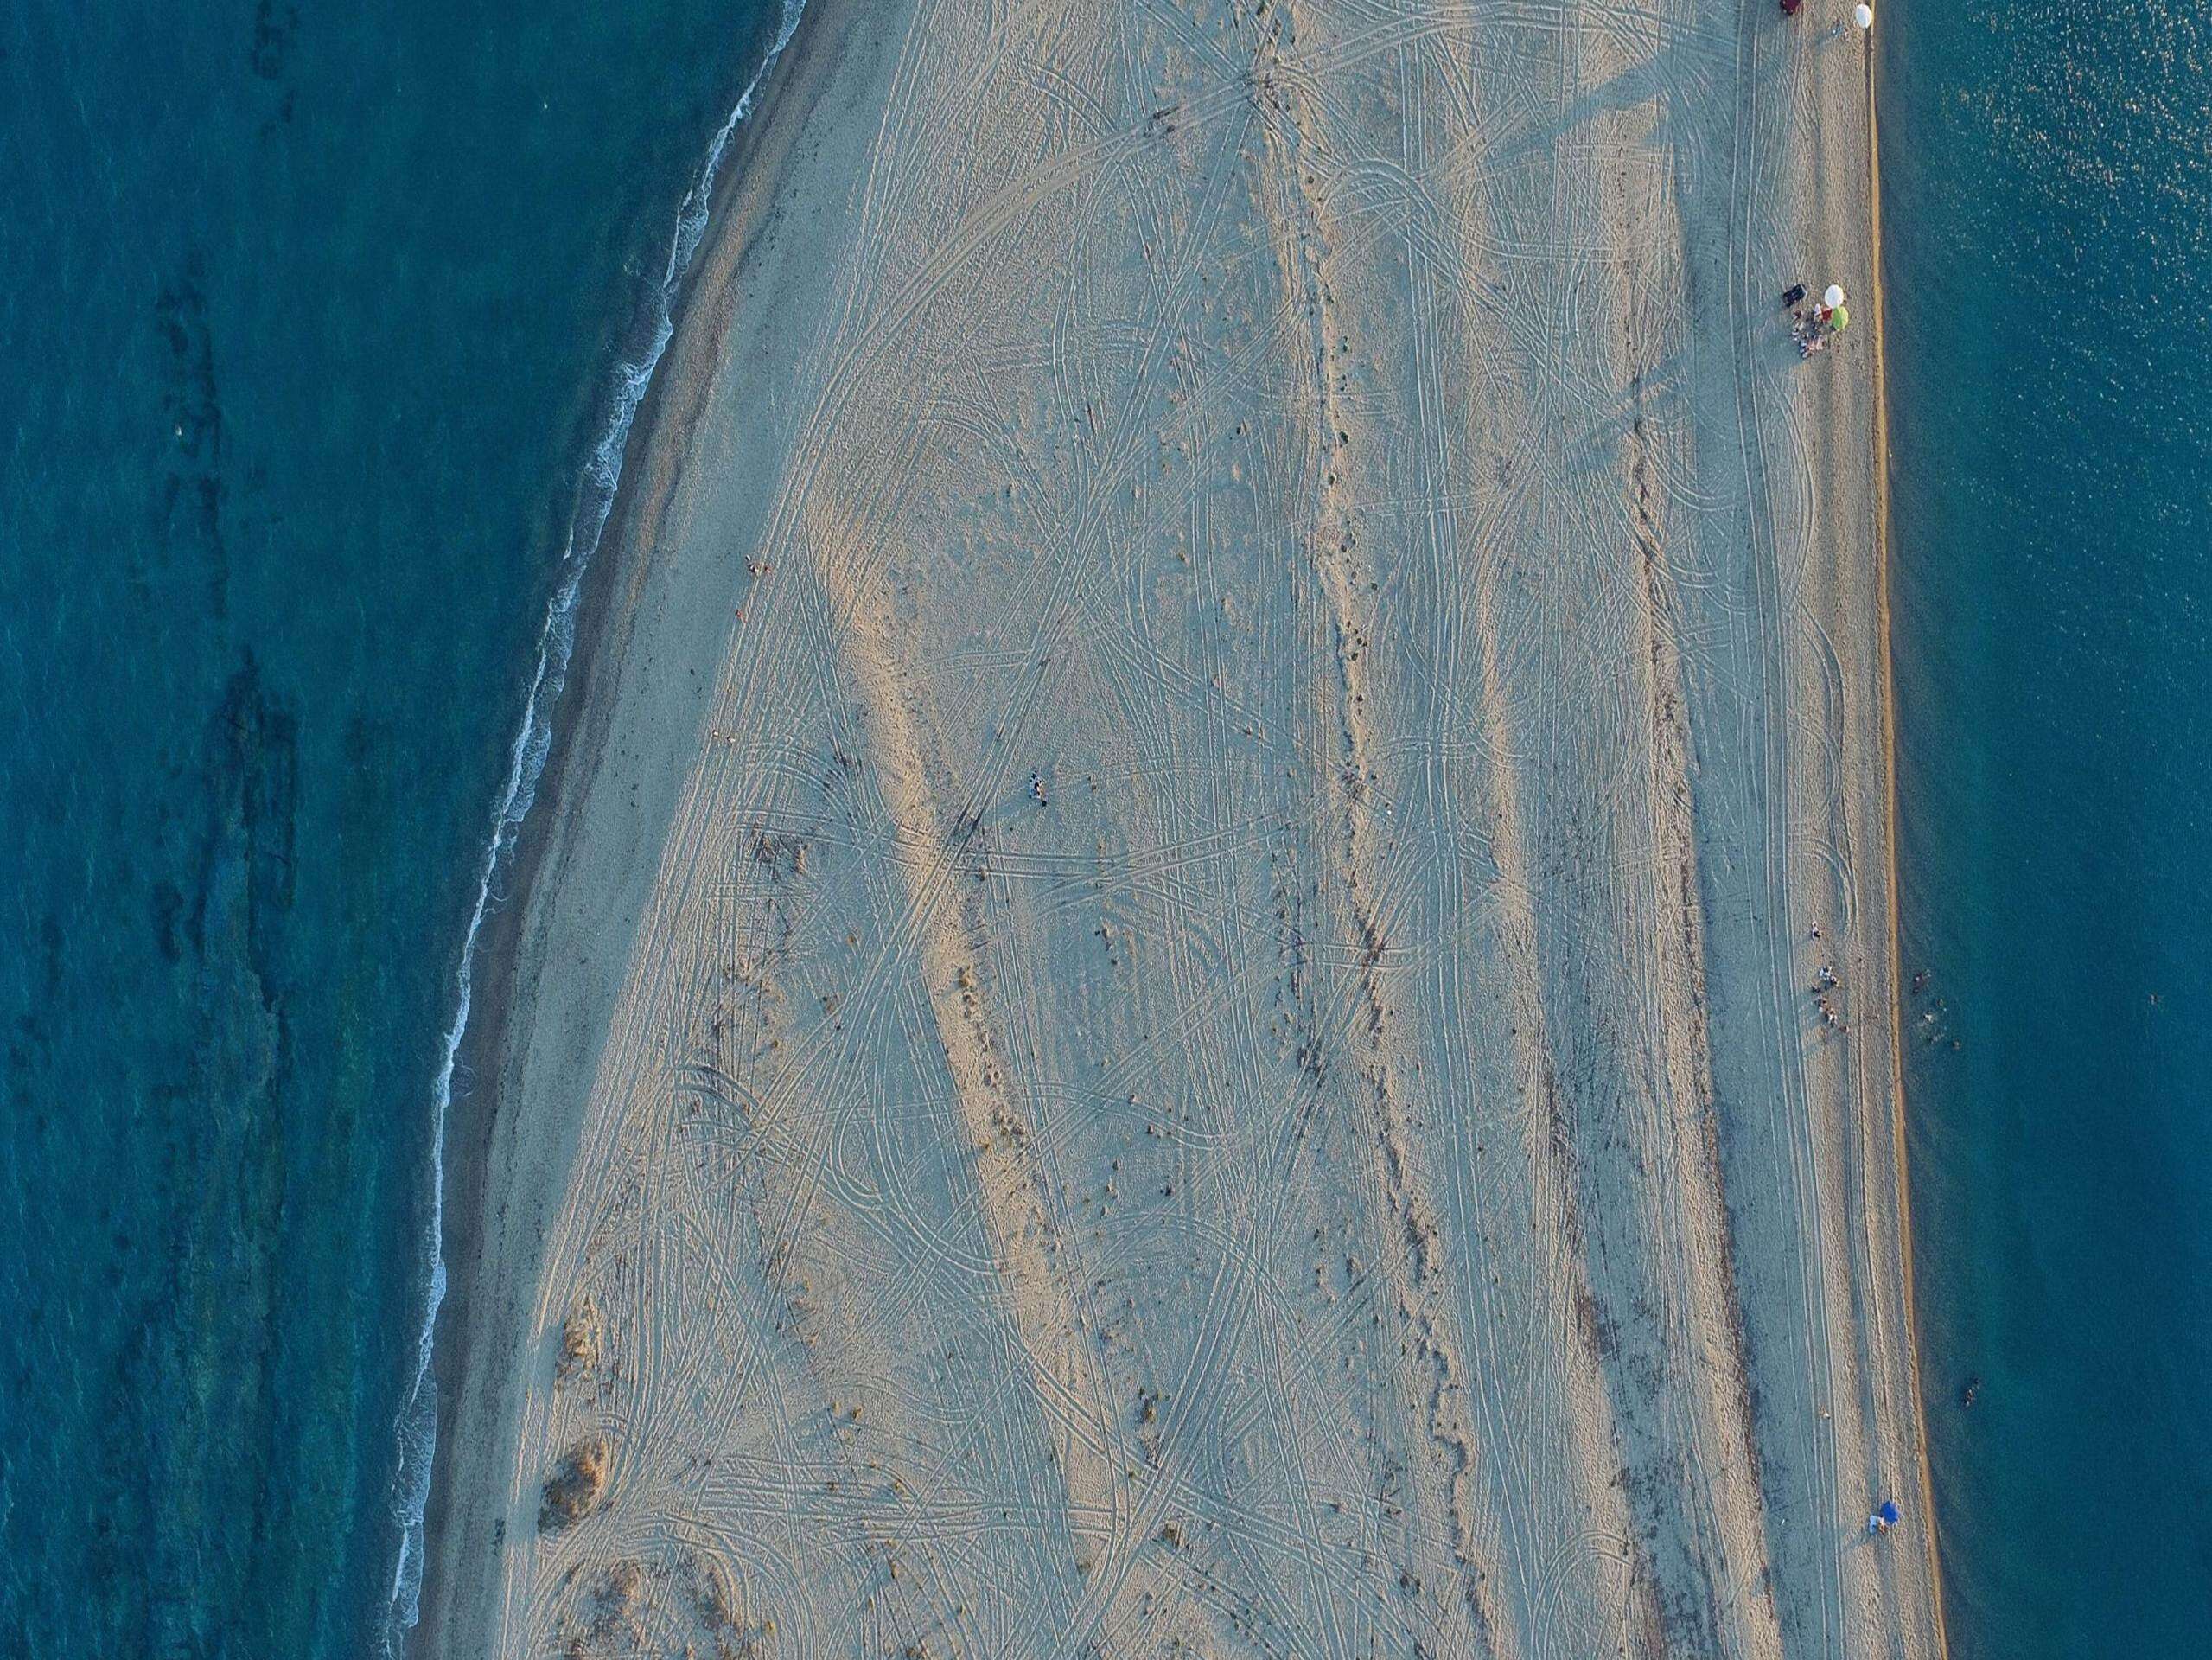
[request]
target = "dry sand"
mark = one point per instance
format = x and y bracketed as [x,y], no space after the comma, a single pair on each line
[1357,1169]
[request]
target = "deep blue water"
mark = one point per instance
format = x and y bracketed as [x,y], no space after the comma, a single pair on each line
[310,320]
[2047,227]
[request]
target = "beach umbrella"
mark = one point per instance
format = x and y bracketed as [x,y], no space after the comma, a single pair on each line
[1839,320]
[1835,296]
[1888,1511]
[1862,16]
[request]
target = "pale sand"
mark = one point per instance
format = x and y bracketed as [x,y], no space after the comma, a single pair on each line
[1359,1170]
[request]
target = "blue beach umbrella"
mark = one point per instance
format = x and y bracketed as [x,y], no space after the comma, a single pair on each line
[1889,1513]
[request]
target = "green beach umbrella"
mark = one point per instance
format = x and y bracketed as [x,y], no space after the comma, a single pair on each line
[1839,320]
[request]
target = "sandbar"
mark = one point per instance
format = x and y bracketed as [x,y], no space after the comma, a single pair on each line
[1173,991]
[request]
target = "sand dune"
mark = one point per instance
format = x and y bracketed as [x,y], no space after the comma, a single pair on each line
[1170,1008]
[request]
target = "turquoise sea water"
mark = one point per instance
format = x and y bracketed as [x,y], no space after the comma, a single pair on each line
[2047,229]
[307,317]
[312,319]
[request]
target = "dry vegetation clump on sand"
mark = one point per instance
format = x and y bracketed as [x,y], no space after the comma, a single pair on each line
[583,1335]
[684,1611]
[615,1624]
[574,1486]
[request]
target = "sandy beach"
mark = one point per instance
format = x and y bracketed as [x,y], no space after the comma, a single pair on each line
[1168,998]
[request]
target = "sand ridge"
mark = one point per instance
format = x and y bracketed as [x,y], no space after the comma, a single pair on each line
[1251,668]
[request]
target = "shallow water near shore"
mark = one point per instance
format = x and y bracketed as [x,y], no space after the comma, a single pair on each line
[2048,212]
[311,320]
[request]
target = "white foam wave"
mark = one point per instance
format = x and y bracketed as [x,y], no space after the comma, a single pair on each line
[417,1422]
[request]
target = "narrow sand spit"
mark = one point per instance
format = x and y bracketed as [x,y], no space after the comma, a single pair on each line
[1168,1006]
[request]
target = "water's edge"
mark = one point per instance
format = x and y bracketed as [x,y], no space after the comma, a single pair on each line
[1901,1172]
[416,1427]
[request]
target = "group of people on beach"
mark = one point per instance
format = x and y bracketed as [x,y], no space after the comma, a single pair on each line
[1862,14]
[1814,326]
[1824,990]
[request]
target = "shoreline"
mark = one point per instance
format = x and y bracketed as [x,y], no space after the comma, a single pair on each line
[1932,1544]
[1874,1105]
[602,615]
[603,1024]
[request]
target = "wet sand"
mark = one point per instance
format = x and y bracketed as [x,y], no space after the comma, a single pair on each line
[1166,999]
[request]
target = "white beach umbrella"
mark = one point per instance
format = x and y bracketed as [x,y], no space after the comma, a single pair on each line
[1835,296]
[1862,16]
